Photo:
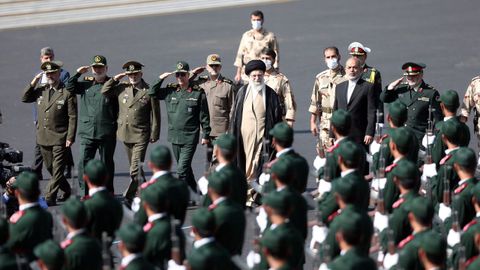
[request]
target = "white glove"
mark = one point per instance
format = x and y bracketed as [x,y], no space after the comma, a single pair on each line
[323,187]
[136,204]
[390,260]
[203,185]
[429,170]
[444,212]
[431,138]
[319,233]
[253,259]
[262,219]
[172,265]
[374,147]
[368,158]
[323,266]
[264,178]
[381,221]
[319,162]
[453,238]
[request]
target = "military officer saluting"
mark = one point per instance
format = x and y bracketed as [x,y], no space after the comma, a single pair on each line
[56,127]
[187,110]
[417,95]
[98,119]
[138,119]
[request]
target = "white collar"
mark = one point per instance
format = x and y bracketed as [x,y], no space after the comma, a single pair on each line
[397,160]
[203,241]
[273,226]
[355,81]
[448,151]
[27,205]
[339,140]
[281,188]
[461,182]
[342,252]
[447,118]
[478,214]
[220,166]
[283,151]
[219,200]
[129,258]
[158,174]
[349,171]
[92,191]
[154,217]
[70,235]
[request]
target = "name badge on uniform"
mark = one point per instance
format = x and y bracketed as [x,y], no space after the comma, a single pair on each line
[60,104]
[426,99]
[125,98]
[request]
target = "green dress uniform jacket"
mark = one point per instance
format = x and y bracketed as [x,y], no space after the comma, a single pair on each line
[445,169]
[139,114]
[417,103]
[438,149]
[462,203]
[28,228]
[298,216]
[7,259]
[468,242]
[230,225]
[57,115]
[391,192]
[210,256]
[353,259]
[139,263]
[408,254]
[239,186]
[186,110]
[105,214]
[82,252]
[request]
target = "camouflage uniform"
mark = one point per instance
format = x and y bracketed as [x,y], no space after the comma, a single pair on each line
[280,84]
[471,100]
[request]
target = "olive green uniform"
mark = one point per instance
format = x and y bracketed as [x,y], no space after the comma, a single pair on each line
[352,259]
[230,225]
[445,169]
[408,254]
[105,214]
[467,241]
[7,259]
[211,255]
[82,252]
[438,148]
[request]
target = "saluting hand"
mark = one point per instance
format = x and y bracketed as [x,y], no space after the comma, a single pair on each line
[198,70]
[83,69]
[118,77]
[36,79]
[394,84]
[165,75]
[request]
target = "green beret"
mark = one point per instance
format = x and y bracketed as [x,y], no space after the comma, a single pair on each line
[277,242]
[398,111]
[27,181]
[51,66]
[281,169]
[131,67]
[203,220]
[350,151]
[160,156]
[99,60]
[277,201]
[476,192]
[402,138]
[465,157]
[345,187]
[226,141]
[182,66]
[51,254]
[282,131]
[450,99]
[451,129]
[434,245]
[75,211]
[422,209]
[219,182]
[95,170]
[341,119]
[4,233]
[155,196]
[132,234]
[408,170]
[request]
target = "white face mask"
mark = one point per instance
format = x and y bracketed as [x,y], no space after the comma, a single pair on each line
[268,63]
[332,63]
[256,25]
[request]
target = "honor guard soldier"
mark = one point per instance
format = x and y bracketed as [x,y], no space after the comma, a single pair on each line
[323,94]
[31,225]
[471,101]
[252,43]
[138,120]
[417,95]
[49,256]
[98,119]
[56,127]
[7,258]
[187,110]
[276,249]
[433,252]
[470,237]
[131,245]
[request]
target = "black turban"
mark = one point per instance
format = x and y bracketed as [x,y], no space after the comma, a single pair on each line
[255,65]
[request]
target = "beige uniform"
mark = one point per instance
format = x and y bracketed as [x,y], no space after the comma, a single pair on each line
[324,93]
[471,100]
[280,84]
[251,46]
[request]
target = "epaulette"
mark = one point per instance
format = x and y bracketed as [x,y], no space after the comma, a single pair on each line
[332,216]
[460,188]
[66,243]
[196,88]
[390,167]
[203,77]
[398,203]
[89,78]
[333,147]
[445,158]
[148,227]
[212,207]
[405,241]
[476,78]
[227,81]
[471,260]
[172,85]
[17,216]
[470,224]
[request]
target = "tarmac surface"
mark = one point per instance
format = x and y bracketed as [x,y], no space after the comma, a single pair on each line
[443,34]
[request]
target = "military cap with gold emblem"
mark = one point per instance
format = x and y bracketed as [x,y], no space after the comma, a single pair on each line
[182,66]
[99,60]
[357,48]
[51,66]
[411,68]
[214,59]
[131,67]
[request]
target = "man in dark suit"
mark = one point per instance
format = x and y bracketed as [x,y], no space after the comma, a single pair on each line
[358,98]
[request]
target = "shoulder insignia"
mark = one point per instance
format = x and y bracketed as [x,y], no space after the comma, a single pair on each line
[390,167]
[333,147]
[66,243]
[211,207]
[470,224]
[89,78]
[146,184]
[172,85]
[227,81]
[471,260]
[445,158]
[383,137]
[17,216]
[203,77]
[84,198]
[405,241]
[460,188]
[398,203]
[148,227]
[332,216]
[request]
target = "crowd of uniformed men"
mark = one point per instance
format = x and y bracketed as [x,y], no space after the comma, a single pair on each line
[395,195]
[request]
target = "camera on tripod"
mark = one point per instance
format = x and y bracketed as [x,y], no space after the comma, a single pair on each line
[10,163]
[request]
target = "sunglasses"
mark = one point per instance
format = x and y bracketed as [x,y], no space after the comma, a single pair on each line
[180,74]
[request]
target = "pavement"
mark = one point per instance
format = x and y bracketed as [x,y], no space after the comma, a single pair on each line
[441,33]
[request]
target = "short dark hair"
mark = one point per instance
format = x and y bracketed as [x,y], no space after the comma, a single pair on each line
[407,182]
[343,130]
[30,196]
[284,144]
[257,13]
[227,154]
[270,52]
[352,237]
[331,48]
[134,247]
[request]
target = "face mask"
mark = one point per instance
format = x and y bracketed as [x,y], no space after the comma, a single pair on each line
[268,64]
[256,25]
[332,63]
